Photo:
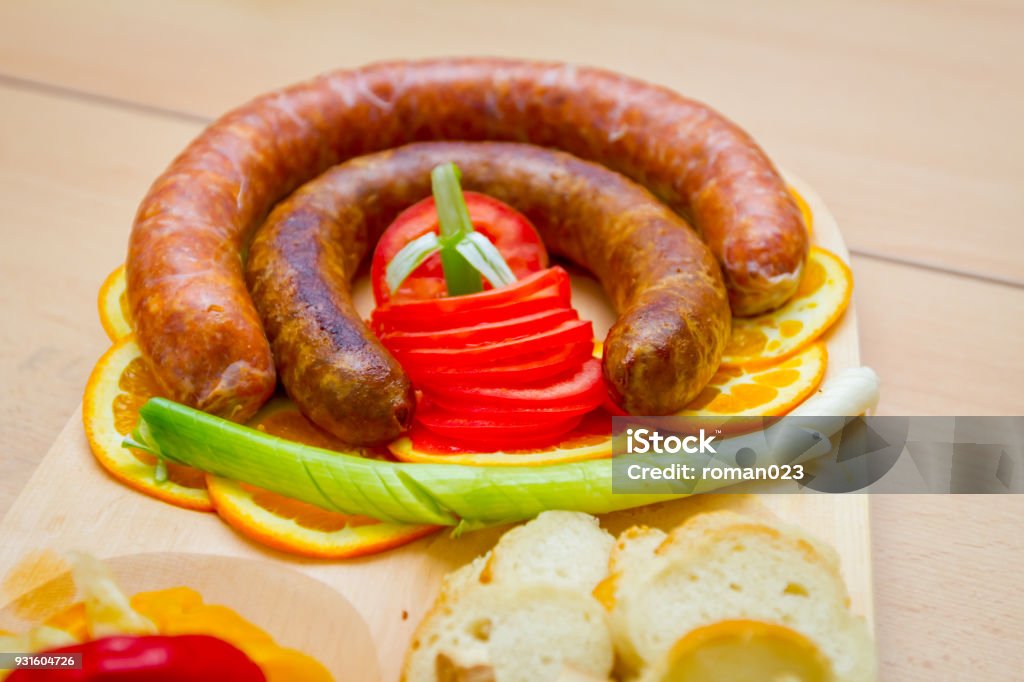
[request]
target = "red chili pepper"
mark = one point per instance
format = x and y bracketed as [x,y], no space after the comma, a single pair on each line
[195,658]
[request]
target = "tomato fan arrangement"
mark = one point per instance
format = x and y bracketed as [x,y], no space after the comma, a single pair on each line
[509,366]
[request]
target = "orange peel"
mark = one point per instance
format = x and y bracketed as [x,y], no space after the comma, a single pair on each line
[119,385]
[805,210]
[299,528]
[112,302]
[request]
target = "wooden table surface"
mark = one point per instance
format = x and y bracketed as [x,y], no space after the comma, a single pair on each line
[903,115]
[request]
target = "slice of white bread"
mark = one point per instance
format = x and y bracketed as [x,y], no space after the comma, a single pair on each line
[723,567]
[632,557]
[511,633]
[703,527]
[522,611]
[563,548]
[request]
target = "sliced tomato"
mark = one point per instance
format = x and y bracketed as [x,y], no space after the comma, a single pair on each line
[488,332]
[508,229]
[499,415]
[519,370]
[386,320]
[463,428]
[412,313]
[595,426]
[585,386]
[573,331]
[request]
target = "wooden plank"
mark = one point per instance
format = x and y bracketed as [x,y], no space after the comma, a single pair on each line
[948,587]
[942,344]
[900,114]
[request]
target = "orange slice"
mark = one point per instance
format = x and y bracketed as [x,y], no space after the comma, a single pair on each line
[300,528]
[113,306]
[297,527]
[805,210]
[820,300]
[591,440]
[119,385]
[761,391]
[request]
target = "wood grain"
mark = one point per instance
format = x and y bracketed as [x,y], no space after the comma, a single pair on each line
[900,113]
[71,174]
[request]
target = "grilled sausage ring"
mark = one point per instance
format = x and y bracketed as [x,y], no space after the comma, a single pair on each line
[193,317]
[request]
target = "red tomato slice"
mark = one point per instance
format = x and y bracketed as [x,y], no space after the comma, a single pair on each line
[524,369]
[595,425]
[574,331]
[386,320]
[585,386]
[489,332]
[500,415]
[410,315]
[508,229]
[491,434]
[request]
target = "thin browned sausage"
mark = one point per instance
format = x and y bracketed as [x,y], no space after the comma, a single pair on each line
[193,317]
[662,279]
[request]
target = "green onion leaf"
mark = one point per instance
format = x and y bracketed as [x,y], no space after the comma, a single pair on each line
[452,494]
[465,254]
[459,276]
[486,259]
[438,494]
[453,222]
[452,213]
[410,257]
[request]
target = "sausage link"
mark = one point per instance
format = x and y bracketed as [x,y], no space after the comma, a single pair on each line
[661,278]
[194,318]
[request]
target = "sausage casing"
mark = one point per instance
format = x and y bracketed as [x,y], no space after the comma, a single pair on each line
[661,278]
[194,318]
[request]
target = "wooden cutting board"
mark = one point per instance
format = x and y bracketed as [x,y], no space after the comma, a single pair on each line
[70,503]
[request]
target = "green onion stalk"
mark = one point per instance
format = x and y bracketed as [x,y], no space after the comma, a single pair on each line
[466,255]
[463,496]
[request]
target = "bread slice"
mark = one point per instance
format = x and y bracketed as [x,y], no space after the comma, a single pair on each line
[569,549]
[632,557]
[723,567]
[703,527]
[513,633]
